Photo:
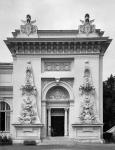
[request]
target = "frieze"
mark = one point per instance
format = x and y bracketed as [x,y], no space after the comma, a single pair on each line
[61,48]
[57,66]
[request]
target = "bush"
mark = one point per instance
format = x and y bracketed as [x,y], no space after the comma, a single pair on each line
[10,141]
[107,137]
[28,142]
[0,140]
[5,141]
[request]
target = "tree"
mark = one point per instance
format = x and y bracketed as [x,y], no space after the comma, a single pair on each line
[109,102]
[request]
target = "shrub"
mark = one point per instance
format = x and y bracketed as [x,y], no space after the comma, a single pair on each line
[107,137]
[10,141]
[0,140]
[5,141]
[28,142]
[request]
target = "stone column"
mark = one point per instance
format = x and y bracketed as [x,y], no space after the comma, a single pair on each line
[65,122]
[49,121]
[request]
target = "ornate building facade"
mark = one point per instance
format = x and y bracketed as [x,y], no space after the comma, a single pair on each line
[54,86]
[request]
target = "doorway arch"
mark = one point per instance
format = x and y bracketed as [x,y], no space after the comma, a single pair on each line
[62,84]
[57,96]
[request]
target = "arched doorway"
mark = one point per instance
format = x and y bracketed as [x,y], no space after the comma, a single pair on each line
[57,99]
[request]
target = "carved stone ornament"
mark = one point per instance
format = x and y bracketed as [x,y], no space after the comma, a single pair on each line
[60,66]
[87,91]
[57,93]
[87,26]
[28,28]
[29,111]
[29,88]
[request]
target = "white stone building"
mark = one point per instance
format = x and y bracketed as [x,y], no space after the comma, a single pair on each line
[54,86]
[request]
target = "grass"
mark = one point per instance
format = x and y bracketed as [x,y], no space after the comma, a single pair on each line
[61,147]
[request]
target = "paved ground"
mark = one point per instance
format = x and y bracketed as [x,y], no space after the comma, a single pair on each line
[61,147]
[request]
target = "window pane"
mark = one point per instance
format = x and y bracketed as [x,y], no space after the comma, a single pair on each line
[2,121]
[2,106]
[7,107]
[7,121]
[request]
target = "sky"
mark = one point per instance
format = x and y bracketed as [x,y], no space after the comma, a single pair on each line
[59,15]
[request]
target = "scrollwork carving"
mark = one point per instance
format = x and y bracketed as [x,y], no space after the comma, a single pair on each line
[29,92]
[87,91]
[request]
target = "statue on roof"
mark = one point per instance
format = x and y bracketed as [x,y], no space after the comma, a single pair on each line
[87,26]
[28,27]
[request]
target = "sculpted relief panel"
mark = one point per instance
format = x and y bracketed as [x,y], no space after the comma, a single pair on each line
[57,93]
[56,64]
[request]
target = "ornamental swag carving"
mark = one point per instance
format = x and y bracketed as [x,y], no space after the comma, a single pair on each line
[87,91]
[29,112]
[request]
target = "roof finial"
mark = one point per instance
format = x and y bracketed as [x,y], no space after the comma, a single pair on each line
[28,28]
[87,26]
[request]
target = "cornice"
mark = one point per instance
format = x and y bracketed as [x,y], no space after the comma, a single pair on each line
[70,46]
[58,32]
[5,66]
[6,88]
[65,39]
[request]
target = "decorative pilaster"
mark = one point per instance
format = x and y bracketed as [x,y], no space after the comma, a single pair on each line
[49,121]
[65,122]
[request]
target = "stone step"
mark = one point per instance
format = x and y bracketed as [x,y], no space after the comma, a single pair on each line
[57,141]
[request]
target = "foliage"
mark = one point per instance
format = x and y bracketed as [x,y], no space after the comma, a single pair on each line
[4,140]
[109,102]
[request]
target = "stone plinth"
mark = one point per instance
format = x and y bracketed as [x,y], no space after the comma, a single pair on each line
[27,132]
[88,133]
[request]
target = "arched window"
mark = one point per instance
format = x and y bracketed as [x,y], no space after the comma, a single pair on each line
[4,116]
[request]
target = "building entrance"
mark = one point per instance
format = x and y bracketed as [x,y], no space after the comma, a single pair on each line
[57,125]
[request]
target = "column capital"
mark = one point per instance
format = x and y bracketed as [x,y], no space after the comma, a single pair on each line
[66,108]
[49,109]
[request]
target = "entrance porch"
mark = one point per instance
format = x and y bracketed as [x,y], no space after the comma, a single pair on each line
[57,121]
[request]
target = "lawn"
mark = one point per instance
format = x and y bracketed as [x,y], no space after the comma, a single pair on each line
[61,147]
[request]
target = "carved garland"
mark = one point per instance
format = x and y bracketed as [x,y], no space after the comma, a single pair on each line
[61,48]
[87,91]
[29,109]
